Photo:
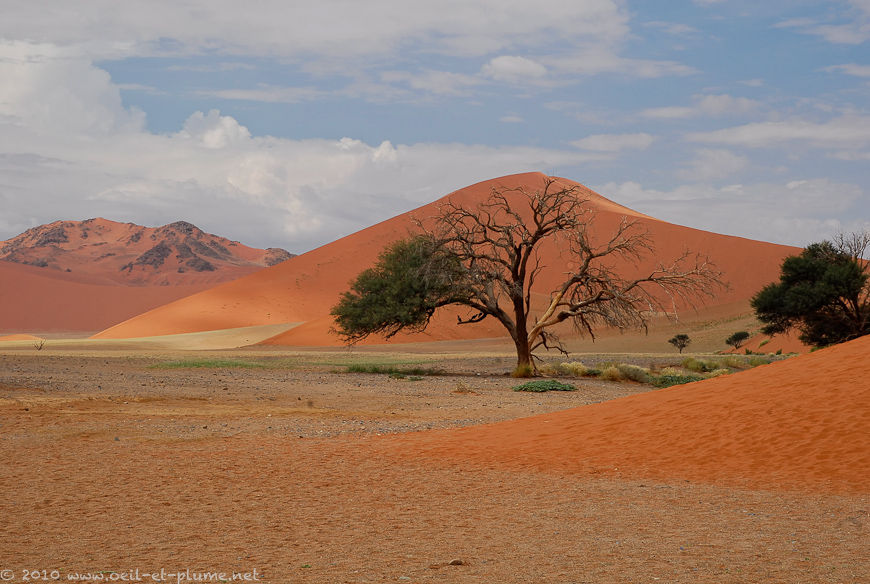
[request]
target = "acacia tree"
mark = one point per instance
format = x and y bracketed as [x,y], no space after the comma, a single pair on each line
[493,253]
[824,292]
[737,339]
[680,341]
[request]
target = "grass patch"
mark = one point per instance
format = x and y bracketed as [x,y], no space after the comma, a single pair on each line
[209,364]
[543,385]
[393,370]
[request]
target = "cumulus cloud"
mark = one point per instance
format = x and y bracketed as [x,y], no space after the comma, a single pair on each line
[263,190]
[851,28]
[713,164]
[851,69]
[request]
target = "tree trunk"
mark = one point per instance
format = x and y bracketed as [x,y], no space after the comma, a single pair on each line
[525,366]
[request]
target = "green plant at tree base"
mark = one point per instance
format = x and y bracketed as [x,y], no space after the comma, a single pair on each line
[543,385]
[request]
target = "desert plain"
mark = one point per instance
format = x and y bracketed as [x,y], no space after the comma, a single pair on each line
[127,457]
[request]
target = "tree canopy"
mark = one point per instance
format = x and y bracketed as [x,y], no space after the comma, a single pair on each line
[737,339]
[823,293]
[488,257]
[680,341]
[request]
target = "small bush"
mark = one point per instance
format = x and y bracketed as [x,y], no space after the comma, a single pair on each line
[575,368]
[670,380]
[549,370]
[757,360]
[718,372]
[543,385]
[734,362]
[522,371]
[634,373]
[610,373]
[699,365]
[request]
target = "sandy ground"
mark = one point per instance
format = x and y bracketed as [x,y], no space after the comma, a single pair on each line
[110,464]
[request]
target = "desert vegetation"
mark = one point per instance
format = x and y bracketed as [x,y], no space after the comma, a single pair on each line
[487,258]
[824,293]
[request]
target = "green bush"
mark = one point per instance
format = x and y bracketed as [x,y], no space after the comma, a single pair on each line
[543,385]
[669,380]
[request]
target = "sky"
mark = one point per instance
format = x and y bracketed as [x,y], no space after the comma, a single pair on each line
[291,124]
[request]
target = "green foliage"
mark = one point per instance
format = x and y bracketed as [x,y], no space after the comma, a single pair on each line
[411,279]
[676,379]
[699,365]
[543,385]
[680,341]
[823,292]
[208,364]
[392,370]
[737,339]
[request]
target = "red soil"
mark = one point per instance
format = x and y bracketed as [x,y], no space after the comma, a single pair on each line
[304,288]
[802,423]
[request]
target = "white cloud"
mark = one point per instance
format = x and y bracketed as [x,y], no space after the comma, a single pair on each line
[513,69]
[705,105]
[433,82]
[261,190]
[511,119]
[104,30]
[850,69]
[595,61]
[793,212]
[854,31]
[614,142]
[267,94]
[713,164]
[843,132]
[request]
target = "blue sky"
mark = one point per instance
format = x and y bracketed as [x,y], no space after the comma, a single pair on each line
[291,124]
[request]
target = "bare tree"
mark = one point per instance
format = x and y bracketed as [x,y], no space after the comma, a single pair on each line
[499,242]
[496,257]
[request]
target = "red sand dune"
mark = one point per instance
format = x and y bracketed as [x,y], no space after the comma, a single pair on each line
[38,300]
[802,423]
[304,288]
[20,337]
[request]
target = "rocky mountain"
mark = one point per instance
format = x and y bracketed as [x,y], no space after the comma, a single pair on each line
[100,251]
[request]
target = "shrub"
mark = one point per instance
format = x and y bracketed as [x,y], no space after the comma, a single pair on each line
[522,371]
[680,341]
[737,339]
[610,373]
[757,360]
[699,365]
[669,380]
[718,372]
[634,373]
[543,385]
[575,368]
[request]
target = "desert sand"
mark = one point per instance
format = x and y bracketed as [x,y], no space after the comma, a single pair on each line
[304,288]
[309,474]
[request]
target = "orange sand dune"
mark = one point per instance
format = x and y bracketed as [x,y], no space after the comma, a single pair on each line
[304,288]
[38,300]
[20,337]
[803,424]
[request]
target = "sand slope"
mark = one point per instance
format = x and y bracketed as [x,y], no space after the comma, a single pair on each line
[803,423]
[304,288]
[38,300]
